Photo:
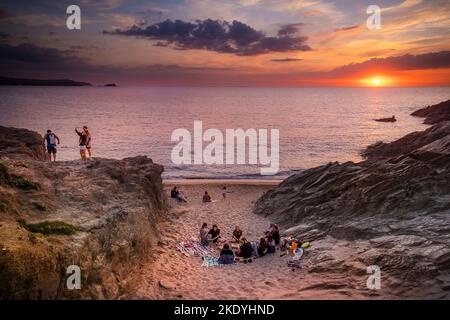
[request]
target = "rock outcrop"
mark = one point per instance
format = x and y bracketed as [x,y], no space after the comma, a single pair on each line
[438,114]
[392,210]
[101,216]
[20,143]
[434,114]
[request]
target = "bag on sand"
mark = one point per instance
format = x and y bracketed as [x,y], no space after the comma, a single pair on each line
[306,245]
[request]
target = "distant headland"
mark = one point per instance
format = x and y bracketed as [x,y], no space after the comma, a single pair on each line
[8,81]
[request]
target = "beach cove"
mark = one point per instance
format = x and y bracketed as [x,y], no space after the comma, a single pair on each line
[175,276]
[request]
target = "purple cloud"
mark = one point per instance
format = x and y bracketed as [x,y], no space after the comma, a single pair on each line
[220,36]
[432,60]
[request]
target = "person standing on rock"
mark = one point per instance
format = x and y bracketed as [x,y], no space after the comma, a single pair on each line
[51,140]
[89,140]
[83,141]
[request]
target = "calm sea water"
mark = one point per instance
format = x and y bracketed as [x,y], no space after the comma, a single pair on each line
[317,125]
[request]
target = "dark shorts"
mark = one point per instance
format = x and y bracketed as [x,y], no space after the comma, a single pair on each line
[51,149]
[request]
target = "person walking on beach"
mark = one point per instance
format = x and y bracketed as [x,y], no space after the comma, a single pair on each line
[51,140]
[83,141]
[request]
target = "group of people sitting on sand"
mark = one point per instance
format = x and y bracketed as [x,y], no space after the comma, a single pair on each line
[207,197]
[246,250]
[176,194]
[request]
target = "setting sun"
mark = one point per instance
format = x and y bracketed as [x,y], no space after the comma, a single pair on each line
[376,81]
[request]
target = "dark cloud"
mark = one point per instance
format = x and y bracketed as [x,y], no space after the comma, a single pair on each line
[77,48]
[432,60]
[286,60]
[220,36]
[290,29]
[30,57]
[347,28]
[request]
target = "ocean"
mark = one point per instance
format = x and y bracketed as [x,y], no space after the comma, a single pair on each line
[316,125]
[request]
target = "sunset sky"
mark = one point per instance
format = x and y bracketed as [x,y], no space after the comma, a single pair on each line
[229,42]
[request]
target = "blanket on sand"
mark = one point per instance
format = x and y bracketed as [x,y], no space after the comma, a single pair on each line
[210,261]
[193,248]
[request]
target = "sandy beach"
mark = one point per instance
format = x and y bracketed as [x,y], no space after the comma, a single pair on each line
[176,276]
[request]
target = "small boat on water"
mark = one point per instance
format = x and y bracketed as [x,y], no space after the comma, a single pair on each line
[391,119]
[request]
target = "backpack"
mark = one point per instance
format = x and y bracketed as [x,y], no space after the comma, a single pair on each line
[51,140]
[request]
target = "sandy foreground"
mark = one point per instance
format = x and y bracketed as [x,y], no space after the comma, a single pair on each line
[176,276]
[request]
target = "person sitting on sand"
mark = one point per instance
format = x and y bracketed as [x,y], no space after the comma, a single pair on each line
[206,197]
[51,140]
[226,255]
[176,194]
[245,250]
[285,243]
[215,233]
[204,234]
[270,244]
[262,247]
[274,232]
[237,233]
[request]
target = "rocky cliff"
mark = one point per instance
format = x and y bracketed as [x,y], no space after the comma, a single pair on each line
[101,216]
[392,210]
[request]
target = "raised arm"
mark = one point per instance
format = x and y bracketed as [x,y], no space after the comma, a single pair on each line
[78,132]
